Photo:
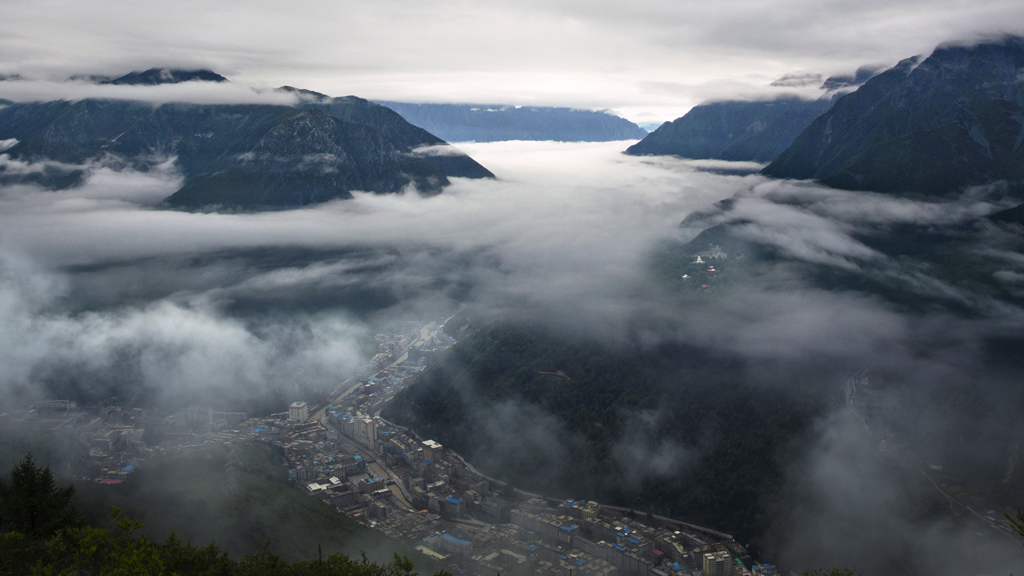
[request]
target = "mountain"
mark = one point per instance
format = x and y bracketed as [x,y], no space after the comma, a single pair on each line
[733,130]
[1013,215]
[412,138]
[248,157]
[155,76]
[627,424]
[491,123]
[845,81]
[924,127]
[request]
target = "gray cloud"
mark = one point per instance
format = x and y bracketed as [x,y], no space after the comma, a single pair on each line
[603,55]
[177,352]
[643,452]
[190,92]
[861,508]
[96,282]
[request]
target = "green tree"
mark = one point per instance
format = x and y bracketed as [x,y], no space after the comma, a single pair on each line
[32,504]
[1016,522]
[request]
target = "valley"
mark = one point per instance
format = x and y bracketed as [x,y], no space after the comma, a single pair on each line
[780,334]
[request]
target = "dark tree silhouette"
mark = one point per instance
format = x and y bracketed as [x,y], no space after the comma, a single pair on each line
[32,504]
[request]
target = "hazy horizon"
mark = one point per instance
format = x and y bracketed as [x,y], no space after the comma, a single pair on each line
[648,62]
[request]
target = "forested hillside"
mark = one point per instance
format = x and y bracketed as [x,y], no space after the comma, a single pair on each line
[671,428]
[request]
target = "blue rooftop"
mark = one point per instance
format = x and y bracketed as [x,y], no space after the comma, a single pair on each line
[451,538]
[453,500]
[128,468]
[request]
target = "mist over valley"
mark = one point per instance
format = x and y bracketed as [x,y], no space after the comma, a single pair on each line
[780,333]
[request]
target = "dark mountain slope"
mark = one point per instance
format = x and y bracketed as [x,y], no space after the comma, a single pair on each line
[491,122]
[235,156]
[155,76]
[757,131]
[411,138]
[929,128]
[674,429]
[308,157]
[247,157]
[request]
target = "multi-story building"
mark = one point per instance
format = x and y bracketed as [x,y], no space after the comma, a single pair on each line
[298,412]
[453,545]
[366,432]
[370,485]
[197,419]
[717,563]
[581,509]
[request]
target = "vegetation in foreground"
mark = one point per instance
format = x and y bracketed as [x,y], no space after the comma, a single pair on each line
[41,532]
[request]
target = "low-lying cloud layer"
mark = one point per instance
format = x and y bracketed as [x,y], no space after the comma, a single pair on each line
[98,285]
[23,90]
[122,265]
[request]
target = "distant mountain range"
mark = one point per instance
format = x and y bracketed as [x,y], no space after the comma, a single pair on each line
[494,122]
[926,126]
[733,130]
[745,130]
[248,157]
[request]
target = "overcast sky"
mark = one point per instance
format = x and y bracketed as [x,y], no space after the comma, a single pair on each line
[648,60]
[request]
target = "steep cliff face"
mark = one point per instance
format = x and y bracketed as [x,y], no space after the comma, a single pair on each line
[926,127]
[757,131]
[248,157]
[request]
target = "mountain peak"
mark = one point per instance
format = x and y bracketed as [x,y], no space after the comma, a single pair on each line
[927,126]
[155,76]
[862,75]
[306,95]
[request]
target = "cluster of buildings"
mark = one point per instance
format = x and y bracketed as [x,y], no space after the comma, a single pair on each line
[410,488]
[119,440]
[702,266]
[418,491]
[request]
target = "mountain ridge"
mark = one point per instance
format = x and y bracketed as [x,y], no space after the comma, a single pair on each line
[234,156]
[498,122]
[733,130]
[926,126]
